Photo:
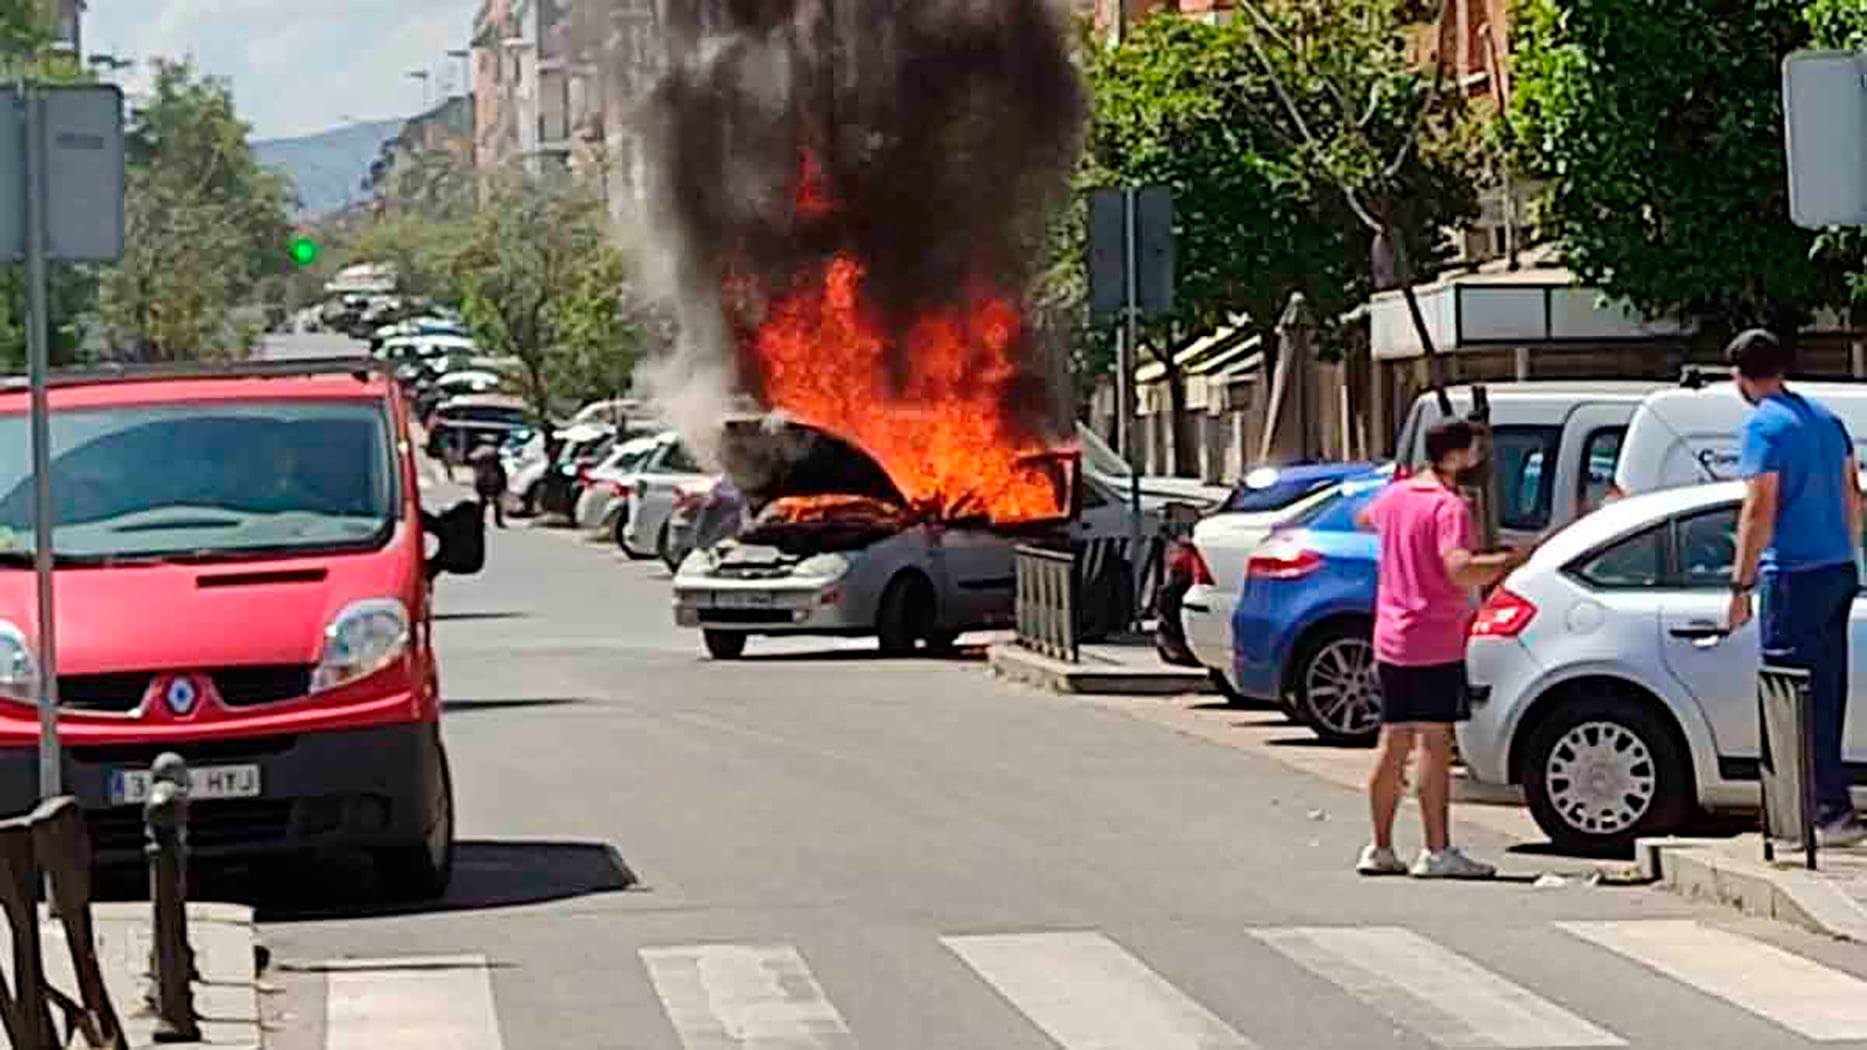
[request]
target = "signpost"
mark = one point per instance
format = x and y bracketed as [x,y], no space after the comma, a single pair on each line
[1825,128]
[61,200]
[1131,257]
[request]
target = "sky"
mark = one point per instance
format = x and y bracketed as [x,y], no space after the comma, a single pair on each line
[297,66]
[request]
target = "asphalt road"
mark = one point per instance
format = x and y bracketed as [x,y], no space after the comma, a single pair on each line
[820,848]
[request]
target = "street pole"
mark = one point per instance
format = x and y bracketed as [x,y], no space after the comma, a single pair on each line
[1131,347]
[38,364]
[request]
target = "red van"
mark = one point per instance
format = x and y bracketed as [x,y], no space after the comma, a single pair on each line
[243,574]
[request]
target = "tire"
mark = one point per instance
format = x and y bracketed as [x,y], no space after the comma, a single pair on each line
[422,870]
[943,643]
[1336,692]
[905,615]
[622,531]
[1604,770]
[664,548]
[724,645]
[1108,601]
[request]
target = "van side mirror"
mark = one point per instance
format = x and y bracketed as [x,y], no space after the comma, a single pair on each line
[460,538]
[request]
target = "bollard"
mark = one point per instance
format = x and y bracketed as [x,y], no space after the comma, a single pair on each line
[166,817]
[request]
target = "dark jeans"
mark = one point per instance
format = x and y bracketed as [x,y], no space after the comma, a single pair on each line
[1804,620]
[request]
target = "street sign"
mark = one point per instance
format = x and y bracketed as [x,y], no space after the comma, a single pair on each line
[1825,127]
[1111,211]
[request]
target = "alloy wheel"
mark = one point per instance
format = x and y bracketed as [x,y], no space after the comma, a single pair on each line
[1343,692]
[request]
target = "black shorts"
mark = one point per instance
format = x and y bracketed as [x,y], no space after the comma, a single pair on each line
[1431,695]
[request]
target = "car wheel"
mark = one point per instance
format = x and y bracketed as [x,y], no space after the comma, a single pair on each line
[905,615]
[943,643]
[724,645]
[1602,771]
[664,548]
[422,870]
[622,540]
[1337,693]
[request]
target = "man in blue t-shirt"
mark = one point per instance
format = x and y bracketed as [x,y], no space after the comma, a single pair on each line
[1797,540]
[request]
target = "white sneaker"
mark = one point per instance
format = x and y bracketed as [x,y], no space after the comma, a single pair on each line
[1449,863]
[1848,831]
[1378,860]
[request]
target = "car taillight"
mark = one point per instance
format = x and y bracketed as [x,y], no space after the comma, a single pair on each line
[617,489]
[1283,563]
[1503,615]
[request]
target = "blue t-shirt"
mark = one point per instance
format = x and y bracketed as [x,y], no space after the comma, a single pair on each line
[1806,446]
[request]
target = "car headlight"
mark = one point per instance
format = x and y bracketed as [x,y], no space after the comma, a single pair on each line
[19,671]
[824,566]
[365,638]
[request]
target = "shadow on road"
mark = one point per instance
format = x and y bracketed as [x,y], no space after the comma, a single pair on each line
[467,707]
[965,654]
[466,617]
[486,875]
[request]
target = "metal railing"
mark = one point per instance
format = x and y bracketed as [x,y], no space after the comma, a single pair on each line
[51,848]
[1048,594]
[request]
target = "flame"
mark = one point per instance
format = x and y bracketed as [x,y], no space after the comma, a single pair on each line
[934,411]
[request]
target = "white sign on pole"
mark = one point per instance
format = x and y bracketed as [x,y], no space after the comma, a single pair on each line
[83,151]
[1825,126]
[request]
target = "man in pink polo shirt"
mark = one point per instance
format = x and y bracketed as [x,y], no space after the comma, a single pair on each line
[1428,569]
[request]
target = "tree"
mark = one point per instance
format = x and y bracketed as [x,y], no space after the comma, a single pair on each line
[205,223]
[542,281]
[1181,102]
[1394,142]
[1659,130]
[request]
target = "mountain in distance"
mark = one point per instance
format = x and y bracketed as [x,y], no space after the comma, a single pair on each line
[329,167]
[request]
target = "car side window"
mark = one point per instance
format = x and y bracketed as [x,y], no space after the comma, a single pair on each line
[1525,459]
[679,462]
[1708,548]
[1637,561]
[1601,453]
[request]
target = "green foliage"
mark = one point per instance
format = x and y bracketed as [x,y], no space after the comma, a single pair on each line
[542,281]
[1658,127]
[205,224]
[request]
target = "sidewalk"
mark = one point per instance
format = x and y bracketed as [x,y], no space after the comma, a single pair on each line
[1124,666]
[1831,900]
[226,997]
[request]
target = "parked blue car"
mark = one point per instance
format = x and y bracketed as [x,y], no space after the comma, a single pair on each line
[1303,622]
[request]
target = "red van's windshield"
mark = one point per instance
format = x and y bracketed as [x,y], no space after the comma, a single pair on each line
[226,479]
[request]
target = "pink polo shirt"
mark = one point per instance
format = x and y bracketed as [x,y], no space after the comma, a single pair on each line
[1421,616]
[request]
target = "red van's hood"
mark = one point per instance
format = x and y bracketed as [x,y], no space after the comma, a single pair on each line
[197,617]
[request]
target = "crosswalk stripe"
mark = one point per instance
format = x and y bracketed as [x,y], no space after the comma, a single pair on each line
[390,1006]
[1803,996]
[1432,990]
[732,996]
[1088,993]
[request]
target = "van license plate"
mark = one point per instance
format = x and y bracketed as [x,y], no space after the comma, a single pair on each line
[130,787]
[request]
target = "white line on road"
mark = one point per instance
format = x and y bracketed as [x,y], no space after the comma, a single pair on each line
[1088,993]
[1432,990]
[744,997]
[383,1005]
[1802,996]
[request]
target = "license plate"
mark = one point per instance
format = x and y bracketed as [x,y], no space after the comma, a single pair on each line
[130,787]
[743,599]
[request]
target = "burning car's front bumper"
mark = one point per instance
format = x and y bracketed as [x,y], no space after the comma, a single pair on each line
[806,606]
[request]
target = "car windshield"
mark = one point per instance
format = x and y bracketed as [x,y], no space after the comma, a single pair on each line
[204,481]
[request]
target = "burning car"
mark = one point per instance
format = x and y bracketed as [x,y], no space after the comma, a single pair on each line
[835,548]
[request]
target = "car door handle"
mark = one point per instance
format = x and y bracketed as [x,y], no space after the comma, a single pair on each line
[1701,633]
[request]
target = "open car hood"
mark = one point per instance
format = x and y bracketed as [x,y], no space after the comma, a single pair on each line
[770,459]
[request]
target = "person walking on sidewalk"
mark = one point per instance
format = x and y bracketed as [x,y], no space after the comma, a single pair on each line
[1798,539]
[1427,570]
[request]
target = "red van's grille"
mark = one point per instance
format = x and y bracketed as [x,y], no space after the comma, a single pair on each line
[114,693]
[247,686]
[229,824]
[238,687]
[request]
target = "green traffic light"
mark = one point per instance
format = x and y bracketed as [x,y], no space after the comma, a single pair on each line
[303,250]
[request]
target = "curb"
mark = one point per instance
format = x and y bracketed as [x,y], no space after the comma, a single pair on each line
[1714,870]
[1095,677]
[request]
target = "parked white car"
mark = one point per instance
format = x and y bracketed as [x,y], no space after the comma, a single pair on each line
[525,482]
[1689,435]
[1603,681]
[651,498]
[606,494]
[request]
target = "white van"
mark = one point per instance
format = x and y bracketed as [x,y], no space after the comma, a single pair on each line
[1689,435]
[1554,444]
